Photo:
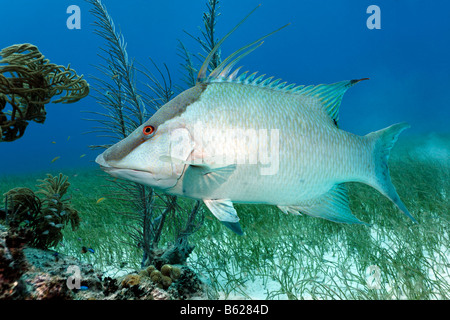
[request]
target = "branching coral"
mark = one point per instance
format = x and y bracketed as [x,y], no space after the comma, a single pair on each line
[28,82]
[44,216]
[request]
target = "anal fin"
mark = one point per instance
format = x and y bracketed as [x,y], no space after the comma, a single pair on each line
[290,210]
[332,205]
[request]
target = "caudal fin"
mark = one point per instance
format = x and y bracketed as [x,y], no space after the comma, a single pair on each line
[384,140]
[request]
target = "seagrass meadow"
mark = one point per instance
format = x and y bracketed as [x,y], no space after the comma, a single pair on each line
[293,257]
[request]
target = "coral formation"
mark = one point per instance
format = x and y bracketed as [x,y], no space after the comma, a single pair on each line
[36,274]
[12,263]
[131,280]
[156,277]
[49,287]
[28,82]
[44,217]
[171,271]
[161,278]
[171,282]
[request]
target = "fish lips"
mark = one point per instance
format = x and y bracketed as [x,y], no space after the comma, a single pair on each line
[139,176]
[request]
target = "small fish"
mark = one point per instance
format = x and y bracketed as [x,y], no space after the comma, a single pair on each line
[101,200]
[68,138]
[45,232]
[49,216]
[54,142]
[91,250]
[114,76]
[83,155]
[59,225]
[84,288]
[54,159]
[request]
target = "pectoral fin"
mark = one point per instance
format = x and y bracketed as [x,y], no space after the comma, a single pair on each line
[332,205]
[200,181]
[224,211]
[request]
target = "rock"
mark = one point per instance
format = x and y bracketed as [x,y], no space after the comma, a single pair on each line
[37,274]
[159,294]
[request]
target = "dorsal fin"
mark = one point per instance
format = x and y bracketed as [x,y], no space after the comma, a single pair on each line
[222,71]
[204,68]
[330,95]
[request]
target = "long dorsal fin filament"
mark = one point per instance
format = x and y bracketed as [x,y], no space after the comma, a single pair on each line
[329,95]
[202,73]
[222,71]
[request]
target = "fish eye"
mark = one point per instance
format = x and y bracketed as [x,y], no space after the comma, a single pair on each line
[148,130]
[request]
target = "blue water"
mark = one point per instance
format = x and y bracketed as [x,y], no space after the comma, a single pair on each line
[407,60]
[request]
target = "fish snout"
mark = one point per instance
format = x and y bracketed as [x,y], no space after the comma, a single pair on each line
[104,164]
[100,160]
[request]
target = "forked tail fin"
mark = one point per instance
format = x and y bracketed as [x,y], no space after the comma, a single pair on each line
[383,141]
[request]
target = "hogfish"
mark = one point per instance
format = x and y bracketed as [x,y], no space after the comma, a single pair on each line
[250,139]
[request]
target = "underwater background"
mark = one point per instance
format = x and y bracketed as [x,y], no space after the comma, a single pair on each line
[407,61]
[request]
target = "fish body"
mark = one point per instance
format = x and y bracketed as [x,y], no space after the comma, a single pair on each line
[247,139]
[231,142]
[310,155]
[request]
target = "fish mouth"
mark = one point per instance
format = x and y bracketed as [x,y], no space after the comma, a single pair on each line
[100,160]
[114,171]
[144,177]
